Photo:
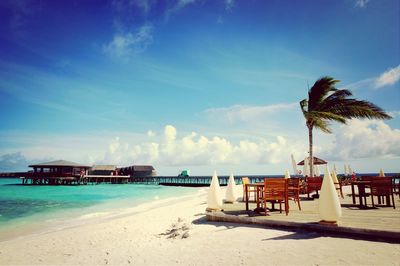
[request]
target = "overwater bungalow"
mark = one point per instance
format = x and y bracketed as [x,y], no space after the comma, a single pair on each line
[62,172]
[138,171]
[55,168]
[103,170]
[55,172]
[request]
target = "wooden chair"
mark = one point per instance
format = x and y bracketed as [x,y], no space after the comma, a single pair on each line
[382,188]
[396,185]
[313,184]
[294,190]
[245,180]
[338,187]
[367,190]
[275,190]
[369,178]
[363,190]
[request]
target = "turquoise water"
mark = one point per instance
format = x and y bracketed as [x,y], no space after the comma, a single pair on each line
[23,204]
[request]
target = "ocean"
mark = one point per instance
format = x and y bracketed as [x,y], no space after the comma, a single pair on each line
[29,208]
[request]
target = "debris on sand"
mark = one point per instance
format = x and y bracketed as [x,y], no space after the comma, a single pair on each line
[177,229]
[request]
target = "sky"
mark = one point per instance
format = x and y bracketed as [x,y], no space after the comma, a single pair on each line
[202,85]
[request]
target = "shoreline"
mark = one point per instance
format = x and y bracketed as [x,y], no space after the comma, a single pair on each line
[43,223]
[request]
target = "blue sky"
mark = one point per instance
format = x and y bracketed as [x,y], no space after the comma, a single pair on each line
[196,84]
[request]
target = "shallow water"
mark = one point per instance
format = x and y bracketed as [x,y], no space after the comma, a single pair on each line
[24,207]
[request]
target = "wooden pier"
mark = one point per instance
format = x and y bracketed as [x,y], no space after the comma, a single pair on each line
[191,181]
[110,179]
[31,178]
[63,172]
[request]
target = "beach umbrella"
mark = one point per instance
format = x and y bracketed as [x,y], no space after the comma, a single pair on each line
[316,170]
[350,170]
[345,171]
[335,181]
[381,173]
[230,195]
[287,175]
[315,161]
[329,205]
[306,167]
[214,200]
[294,165]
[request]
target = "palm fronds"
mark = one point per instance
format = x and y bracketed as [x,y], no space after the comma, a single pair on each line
[326,103]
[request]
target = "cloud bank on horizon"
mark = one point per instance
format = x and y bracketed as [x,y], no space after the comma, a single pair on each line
[359,139]
[189,83]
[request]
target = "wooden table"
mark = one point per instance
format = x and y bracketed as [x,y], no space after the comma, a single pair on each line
[361,185]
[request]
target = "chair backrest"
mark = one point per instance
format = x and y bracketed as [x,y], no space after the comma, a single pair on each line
[294,182]
[370,178]
[245,180]
[314,183]
[367,178]
[275,188]
[381,186]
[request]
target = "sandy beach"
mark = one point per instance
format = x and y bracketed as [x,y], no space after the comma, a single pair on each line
[145,235]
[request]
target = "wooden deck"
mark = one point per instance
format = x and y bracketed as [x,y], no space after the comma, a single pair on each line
[381,218]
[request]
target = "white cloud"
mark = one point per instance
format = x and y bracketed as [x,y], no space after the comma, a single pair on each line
[170,133]
[145,5]
[361,3]
[194,149]
[168,150]
[242,113]
[13,162]
[180,4]
[151,133]
[127,45]
[389,77]
[365,139]
[394,113]
[361,84]
[114,145]
[229,4]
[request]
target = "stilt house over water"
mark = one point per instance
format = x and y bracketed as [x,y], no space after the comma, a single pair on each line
[140,171]
[63,172]
[103,170]
[59,172]
[55,168]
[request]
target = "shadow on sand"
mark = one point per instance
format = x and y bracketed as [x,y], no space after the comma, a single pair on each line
[296,234]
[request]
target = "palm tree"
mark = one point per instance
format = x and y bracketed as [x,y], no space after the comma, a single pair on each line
[327,103]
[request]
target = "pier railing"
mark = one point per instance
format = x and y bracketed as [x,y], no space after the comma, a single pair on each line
[195,181]
[71,179]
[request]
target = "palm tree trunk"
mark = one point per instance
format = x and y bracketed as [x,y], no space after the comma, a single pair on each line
[311,158]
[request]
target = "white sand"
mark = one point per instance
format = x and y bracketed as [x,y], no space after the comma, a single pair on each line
[134,238]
